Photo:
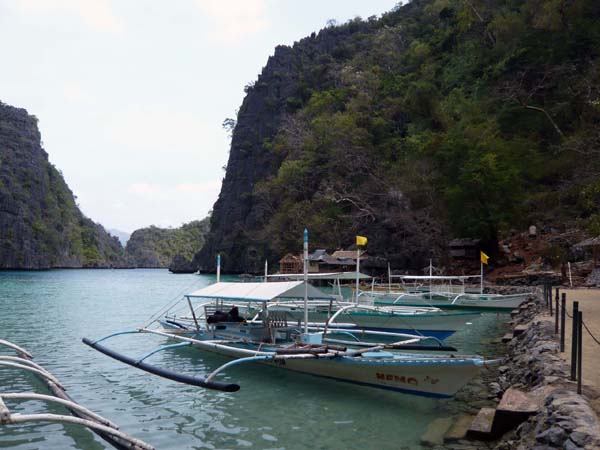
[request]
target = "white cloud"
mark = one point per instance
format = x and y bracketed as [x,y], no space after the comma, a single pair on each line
[234,20]
[96,14]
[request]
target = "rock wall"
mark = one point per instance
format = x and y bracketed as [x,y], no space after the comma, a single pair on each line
[564,419]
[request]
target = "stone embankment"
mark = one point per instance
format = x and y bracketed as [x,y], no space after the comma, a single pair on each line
[527,402]
[557,417]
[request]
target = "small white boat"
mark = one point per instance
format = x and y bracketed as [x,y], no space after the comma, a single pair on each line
[441,293]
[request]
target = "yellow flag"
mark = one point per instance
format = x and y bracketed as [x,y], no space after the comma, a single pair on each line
[361,240]
[484,257]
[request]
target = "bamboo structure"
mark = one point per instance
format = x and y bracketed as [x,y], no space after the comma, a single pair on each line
[104,428]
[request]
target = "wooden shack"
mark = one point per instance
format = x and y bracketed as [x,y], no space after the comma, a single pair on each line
[291,264]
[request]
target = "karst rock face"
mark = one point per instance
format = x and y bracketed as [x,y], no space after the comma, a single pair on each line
[40,224]
[238,225]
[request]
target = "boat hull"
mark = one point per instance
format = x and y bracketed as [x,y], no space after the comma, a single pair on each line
[438,377]
[479,302]
[440,325]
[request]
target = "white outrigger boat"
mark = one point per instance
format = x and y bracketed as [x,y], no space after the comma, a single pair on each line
[412,319]
[421,321]
[338,353]
[445,295]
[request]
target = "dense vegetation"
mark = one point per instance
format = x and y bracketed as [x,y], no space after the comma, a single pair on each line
[40,223]
[458,117]
[156,247]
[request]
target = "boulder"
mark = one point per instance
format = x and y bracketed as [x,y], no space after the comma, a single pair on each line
[434,434]
[514,408]
[481,426]
[182,265]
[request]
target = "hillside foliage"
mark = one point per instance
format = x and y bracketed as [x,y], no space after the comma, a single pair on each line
[482,114]
[156,247]
[41,225]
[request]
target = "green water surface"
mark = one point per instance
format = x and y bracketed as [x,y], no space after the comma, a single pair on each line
[49,312]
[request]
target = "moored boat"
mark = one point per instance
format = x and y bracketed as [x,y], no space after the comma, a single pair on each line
[444,296]
[379,359]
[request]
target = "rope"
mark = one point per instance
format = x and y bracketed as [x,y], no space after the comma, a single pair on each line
[171,303]
[590,333]
[583,322]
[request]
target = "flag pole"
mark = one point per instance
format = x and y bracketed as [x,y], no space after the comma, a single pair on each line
[305,281]
[481,286]
[218,267]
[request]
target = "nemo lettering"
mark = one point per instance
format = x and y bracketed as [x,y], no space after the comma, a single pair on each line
[397,378]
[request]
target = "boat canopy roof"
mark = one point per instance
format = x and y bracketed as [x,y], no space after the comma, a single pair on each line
[259,292]
[321,276]
[435,277]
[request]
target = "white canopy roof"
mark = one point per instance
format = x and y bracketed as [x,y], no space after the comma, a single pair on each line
[262,292]
[321,276]
[435,277]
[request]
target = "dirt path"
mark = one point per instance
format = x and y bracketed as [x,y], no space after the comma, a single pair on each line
[589,304]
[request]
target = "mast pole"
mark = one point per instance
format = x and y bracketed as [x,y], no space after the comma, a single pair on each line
[218,267]
[430,275]
[266,270]
[481,281]
[305,281]
[357,272]
[389,278]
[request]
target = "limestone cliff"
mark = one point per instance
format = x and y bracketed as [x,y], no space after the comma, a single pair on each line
[40,224]
[440,119]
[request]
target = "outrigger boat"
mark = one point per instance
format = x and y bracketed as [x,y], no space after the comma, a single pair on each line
[419,321]
[341,353]
[445,295]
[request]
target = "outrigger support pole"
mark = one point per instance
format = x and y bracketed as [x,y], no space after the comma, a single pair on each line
[165,373]
[236,362]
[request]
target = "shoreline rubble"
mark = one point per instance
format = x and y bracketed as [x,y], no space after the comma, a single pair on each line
[531,404]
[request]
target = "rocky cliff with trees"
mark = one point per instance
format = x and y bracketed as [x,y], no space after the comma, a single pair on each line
[440,119]
[154,247]
[41,225]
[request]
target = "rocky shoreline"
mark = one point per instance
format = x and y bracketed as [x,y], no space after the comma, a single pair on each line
[526,403]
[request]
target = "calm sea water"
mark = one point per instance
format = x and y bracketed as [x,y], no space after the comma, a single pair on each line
[49,312]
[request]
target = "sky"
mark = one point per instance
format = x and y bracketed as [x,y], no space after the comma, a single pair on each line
[131,94]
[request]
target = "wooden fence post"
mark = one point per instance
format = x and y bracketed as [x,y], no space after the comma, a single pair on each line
[579,349]
[556,313]
[574,341]
[563,313]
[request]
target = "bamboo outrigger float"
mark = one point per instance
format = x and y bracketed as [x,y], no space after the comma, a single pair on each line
[104,428]
[340,353]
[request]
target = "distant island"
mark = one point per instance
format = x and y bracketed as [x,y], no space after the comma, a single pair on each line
[41,226]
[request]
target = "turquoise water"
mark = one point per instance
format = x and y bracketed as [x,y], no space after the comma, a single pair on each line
[49,312]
